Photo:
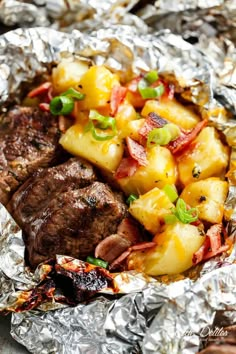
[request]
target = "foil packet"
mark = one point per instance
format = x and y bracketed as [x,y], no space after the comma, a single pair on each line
[152,317]
[67,14]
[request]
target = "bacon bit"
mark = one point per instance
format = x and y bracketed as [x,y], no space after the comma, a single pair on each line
[127,168]
[136,151]
[44,107]
[143,246]
[41,89]
[212,245]
[118,94]
[62,124]
[128,229]
[168,92]
[139,247]
[132,86]
[151,122]
[199,255]
[185,139]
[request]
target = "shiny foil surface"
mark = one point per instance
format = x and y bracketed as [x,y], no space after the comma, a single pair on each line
[151,317]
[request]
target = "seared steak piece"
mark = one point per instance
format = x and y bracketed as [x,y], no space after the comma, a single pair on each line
[63,210]
[28,140]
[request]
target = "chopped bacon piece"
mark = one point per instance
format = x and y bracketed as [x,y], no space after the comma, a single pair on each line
[199,255]
[44,107]
[139,247]
[128,229]
[185,139]
[136,151]
[152,121]
[212,245]
[118,94]
[111,247]
[132,86]
[127,168]
[41,89]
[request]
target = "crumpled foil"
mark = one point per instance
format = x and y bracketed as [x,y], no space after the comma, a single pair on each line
[152,317]
[68,14]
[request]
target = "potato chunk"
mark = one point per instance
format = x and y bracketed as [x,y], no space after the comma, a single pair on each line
[173,111]
[160,170]
[173,253]
[68,73]
[208,196]
[151,208]
[208,158]
[104,154]
[96,84]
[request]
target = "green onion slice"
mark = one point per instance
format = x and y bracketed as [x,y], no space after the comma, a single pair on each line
[98,121]
[149,92]
[131,199]
[61,105]
[174,130]
[71,92]
[171,192]
[151,76]
[97,262]
[185,215]
[158,136]
[170,219]
[103,121]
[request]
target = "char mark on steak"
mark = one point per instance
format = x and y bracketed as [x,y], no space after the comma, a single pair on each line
[28,140]
[63,210]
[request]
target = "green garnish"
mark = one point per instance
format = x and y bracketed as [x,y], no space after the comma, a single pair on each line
[98,121]
[145,90]
[186,216]
[71,92]
[131,199]
[61,105]
[158,136]
[171,192]
[151,76]
[64,104]
[163,135]
[170,219]
[97,262]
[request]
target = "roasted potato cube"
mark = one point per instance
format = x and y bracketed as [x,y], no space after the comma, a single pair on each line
[172,111]
[208,158]
[160,170]
[96,84]
[67,74]
[131,129]
[151,208]
[125,115]
[208,196]
[104,154]
[173,252]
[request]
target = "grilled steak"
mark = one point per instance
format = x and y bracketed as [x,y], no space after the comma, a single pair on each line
[63,210]
[28,141]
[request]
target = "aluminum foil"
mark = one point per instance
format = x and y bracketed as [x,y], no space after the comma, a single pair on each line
[152,316]
[67,14]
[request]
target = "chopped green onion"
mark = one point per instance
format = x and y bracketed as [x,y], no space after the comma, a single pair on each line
[185,215]
[171,192]
[158,136]
[151,76]
[170,219]
[174,130]
[131,199]
[97,262]
[102,123]
[149,92]
[61,105]
[73,94]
